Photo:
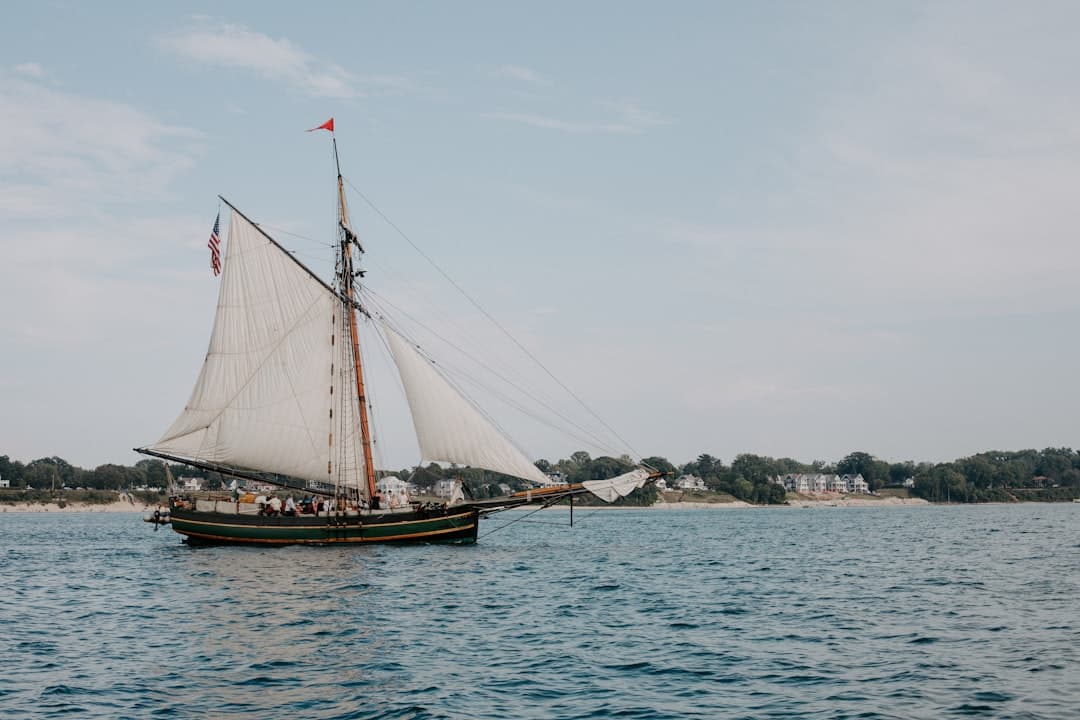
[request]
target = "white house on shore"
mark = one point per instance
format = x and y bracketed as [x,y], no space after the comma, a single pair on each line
[191,484]
[821,483]
[394,491]
[856,484]
[690,482]
[444,488]
[555,478]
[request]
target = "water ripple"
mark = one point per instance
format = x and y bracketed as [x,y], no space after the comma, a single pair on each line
[861,613]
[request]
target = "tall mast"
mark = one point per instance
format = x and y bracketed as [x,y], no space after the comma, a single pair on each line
[348,239]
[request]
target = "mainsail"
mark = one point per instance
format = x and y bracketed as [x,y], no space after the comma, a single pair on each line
[448,427]
[276,392]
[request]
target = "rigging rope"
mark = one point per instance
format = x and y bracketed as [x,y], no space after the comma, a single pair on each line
[589,439]
[493,321]
[515,520]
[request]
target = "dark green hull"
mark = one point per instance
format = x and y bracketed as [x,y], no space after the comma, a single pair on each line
[452,525]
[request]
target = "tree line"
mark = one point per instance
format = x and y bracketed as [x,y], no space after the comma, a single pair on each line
[1051,473]
[993,476]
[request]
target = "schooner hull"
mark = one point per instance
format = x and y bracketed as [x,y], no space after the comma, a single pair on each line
[408,527]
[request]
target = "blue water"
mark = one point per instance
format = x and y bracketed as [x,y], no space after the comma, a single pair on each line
[918,612]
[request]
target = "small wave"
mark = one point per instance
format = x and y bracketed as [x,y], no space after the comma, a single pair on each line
[992,696]
[970,709]
[923,640]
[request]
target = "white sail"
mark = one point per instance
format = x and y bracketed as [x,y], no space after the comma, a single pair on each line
[614,488]
[263,399]
[449,427]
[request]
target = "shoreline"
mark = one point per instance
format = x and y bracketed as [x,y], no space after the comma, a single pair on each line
[116,506]
[743,505]
[861,502]
[801,503]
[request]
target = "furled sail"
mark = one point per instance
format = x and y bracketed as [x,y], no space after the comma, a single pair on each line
[263,399]
[448,426]
[614,488]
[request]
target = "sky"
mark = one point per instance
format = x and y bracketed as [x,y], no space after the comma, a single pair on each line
[786,228]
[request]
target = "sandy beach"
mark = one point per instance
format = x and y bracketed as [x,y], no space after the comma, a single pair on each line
[732,505]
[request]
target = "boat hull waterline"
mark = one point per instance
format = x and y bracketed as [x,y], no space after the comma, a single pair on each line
[408,527]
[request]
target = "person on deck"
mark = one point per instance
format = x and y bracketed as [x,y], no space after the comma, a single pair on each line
[275,505]
[290,507]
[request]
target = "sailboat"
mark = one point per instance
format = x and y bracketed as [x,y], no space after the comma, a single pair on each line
[281,399]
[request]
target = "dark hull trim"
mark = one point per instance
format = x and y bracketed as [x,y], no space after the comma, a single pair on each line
[404,527]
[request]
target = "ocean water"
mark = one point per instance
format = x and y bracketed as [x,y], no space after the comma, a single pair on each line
[915,612]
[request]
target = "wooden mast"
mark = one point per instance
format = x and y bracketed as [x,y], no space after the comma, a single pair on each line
[348,238]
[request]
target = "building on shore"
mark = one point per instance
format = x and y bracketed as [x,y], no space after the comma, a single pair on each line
[822,483]
[555,478]
[192,484]
[856,484]
[690,482]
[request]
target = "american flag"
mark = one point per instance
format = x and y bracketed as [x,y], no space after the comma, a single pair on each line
[215,247]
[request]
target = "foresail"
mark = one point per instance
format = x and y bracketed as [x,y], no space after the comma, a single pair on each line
[449,427]
[263,400]
[614,488]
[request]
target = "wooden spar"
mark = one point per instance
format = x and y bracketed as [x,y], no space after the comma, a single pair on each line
[232,472]
[347,290]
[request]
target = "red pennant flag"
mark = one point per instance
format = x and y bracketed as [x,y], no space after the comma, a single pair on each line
[328,125]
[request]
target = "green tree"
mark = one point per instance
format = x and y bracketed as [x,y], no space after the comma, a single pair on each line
[12,471]
[658,463]
[901,471]
[154,471]
[580,458]
[857,463]
[753,468]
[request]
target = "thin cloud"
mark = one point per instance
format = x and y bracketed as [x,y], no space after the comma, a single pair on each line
[235,46]
[955,181]
[76,171]
[65,153]
[633,115]
[630,120]
[523,74]
[552,123]
[30,69]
